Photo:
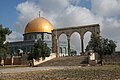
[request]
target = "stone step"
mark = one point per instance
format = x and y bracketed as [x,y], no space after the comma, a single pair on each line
[66,61]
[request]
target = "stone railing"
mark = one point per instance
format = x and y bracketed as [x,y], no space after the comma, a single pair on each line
[37,62]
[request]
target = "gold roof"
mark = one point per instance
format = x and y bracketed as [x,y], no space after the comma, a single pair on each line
[38,25]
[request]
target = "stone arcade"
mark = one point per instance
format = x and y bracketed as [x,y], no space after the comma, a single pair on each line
[94,29]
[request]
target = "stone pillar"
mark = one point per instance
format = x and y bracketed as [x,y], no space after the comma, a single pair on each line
[57,48]
[82,44]
[68,38]
[92,59]
[55,44]
[2,62]
[12,61]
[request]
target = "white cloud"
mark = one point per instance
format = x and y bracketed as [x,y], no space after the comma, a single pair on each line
[61,13]
[53,6]
[111,30]
[73,16]
[27,11]
[111,27]
[14,36]
[106,7]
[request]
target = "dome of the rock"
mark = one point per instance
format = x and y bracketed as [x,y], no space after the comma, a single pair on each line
[38,25]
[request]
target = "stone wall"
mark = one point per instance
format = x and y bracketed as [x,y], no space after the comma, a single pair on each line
[8,61]
[18,60]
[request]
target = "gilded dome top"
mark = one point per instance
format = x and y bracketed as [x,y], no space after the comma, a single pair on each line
[38,25]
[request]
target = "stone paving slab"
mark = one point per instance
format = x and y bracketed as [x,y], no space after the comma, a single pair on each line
[26,69]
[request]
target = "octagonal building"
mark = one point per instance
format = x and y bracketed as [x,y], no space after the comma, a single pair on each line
[38,28]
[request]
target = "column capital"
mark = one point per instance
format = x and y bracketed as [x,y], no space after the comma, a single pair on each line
[68,37]
[82,37]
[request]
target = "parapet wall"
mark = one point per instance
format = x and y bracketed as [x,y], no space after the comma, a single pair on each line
[37,62]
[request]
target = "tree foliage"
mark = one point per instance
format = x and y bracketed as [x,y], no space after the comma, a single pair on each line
[3,33]
[40,49]
[102,46]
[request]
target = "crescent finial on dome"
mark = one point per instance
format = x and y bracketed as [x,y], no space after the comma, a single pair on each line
[39,13]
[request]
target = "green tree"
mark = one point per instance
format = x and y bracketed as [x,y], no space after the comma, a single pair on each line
[40,49]
[102,46]
[3,33]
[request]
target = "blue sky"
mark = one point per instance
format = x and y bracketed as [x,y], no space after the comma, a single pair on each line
[85,3]
[8,13]
[15,14]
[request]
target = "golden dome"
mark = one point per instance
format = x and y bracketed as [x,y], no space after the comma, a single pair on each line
[38,25]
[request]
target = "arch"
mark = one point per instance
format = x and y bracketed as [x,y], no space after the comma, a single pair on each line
[75,31]
[94,29]
[87,37]
[88,31]
[62,43]
[59,34]
[75,42]
[62,37]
